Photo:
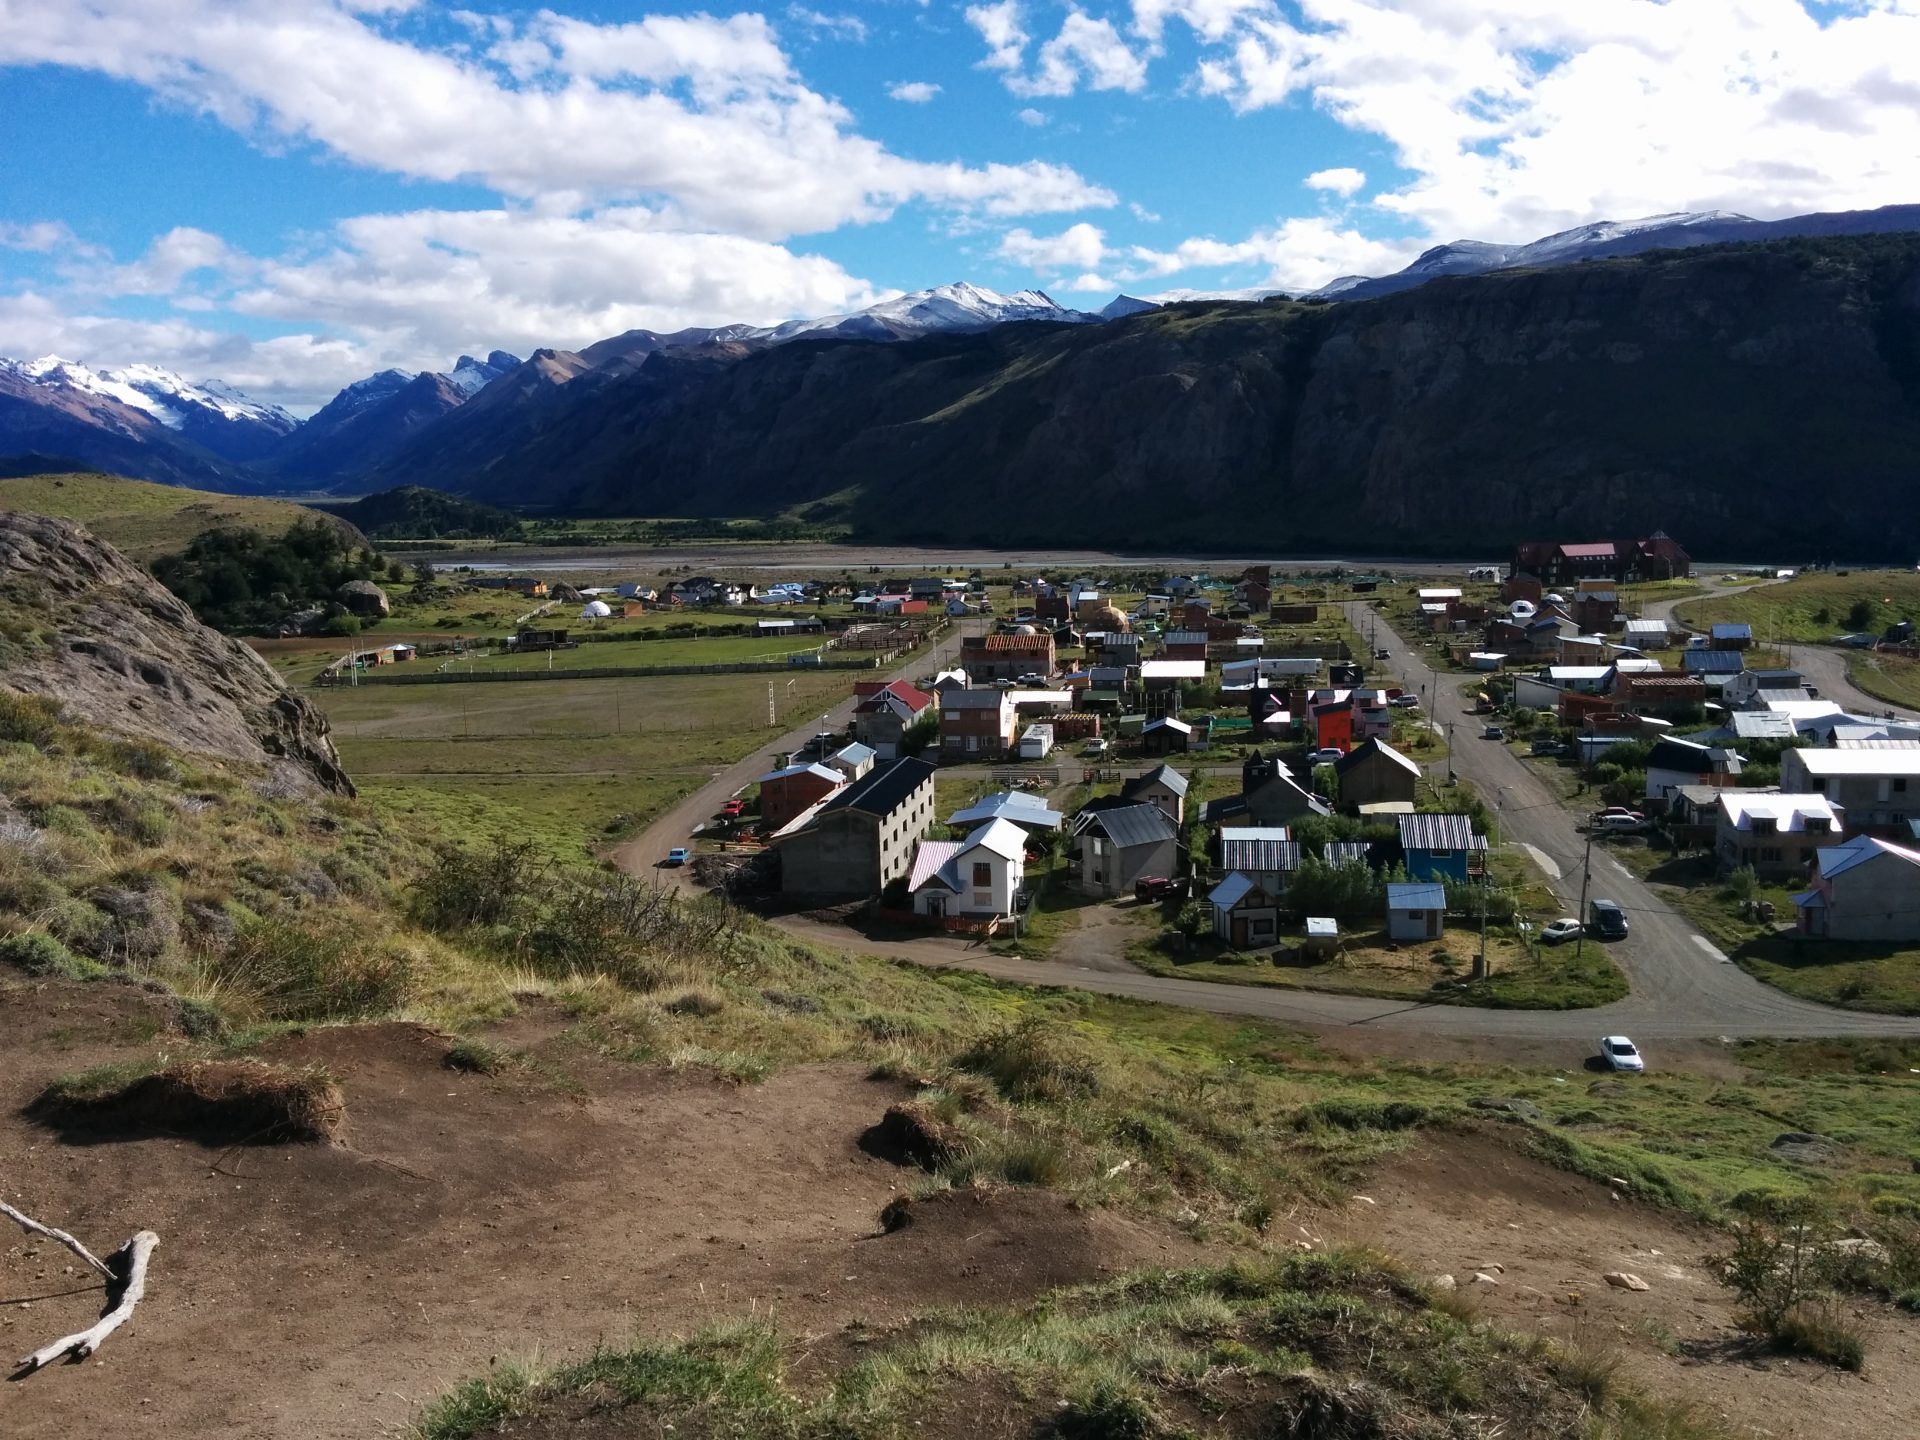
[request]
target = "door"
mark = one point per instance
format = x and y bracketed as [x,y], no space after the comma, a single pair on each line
[1433,924]
[1239,932]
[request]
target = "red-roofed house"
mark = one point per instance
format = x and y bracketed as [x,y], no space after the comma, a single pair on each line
[1006,657]
[882,714]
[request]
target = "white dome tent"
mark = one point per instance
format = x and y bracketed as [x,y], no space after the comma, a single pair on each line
[595,610]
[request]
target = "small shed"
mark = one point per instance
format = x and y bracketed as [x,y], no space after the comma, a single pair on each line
[1323,937]
[1245,913]
[1037,742]
[1416,911]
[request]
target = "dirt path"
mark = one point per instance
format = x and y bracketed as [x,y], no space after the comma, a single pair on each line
[308,1292]
[1099,941]
[1467,1201]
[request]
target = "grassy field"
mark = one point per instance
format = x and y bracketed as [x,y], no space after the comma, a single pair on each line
[707,650]
[144,519]
[1813,608]
[1893,678]
[570,763]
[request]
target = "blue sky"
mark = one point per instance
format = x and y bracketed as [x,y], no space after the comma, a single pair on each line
[288,195]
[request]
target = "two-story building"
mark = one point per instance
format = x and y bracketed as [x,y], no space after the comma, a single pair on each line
[1442,847]
[987,658]
[1864,889]
[979,878]
[1120,844]
[860,838]
[883,713]
[976,725]
[788,792]
[1878,788]
[1776,835]
[1374,773]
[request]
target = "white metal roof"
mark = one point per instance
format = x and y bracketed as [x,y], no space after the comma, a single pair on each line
[1173,669]
[1789,813]
[1823,763]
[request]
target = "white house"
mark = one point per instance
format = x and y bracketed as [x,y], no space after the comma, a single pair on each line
[977,878]
[1879,789]
[1245,913]
[1416,911]
[1775,834]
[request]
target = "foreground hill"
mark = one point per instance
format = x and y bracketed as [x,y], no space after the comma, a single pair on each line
[1752,399]
[143,519]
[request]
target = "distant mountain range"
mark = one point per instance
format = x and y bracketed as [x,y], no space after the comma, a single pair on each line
[643,418]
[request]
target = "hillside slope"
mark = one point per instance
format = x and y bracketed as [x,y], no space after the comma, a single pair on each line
[82,625]
[1750,399]
[143,519]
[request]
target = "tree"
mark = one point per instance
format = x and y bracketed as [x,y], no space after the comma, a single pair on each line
[1862,614]
[423,572]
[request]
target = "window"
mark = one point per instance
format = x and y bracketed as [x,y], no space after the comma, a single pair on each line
[1899,784]
[982,875]
[1441,854]
[1764,825]
[1770,853]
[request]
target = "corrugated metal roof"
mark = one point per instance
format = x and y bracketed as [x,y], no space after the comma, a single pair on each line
[882,790]
[1230,891]
[1712,662]
[929,860]
[1345,852]
[1416,895]
[1130,825]
[1439,832]
[1729,630]
[1164,775]
[1259,850]
[1014,805]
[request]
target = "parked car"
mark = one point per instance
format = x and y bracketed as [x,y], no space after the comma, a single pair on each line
[1383,654]
[679,855]
[1619,1053]
[734,808]
[1626,810]
[1149,888]
[1493,732]
[1097,747]
[1606,920]
[1032,679]
[1558,932]
[1547,747]
[1325,757]
[1618,824]
[1406,702]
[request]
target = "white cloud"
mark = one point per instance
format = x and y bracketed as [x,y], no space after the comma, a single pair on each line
[412,290]
[914,92]
[1344,180]
[999,25]
[38,237]
[702,116]
[1030,116]
[1087,51]
[1078,247]
[166,264]
[1141,213]
[1302,253]
[840,27]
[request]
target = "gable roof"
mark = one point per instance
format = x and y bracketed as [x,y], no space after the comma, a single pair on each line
[1258,848]
[1015,805]
[1130,825]
[1160,775]
[977,700]
[1712,662]
[883,789]
[1346,852]
[997,644]
[1682,755]
[1838,859]
[1002,837]
[1730,630]
[856,753]
[1439,832]
[1790,813]
[1370,747]
[930,861]
[1416,895]
[1232,890]
[819,772]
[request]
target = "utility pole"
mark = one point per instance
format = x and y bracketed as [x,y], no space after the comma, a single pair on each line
[1586,875]
[1480,965]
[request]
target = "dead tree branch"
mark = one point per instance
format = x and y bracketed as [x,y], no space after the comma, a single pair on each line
[27,1222]
[129,1281]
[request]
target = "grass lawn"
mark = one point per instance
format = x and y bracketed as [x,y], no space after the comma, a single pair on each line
[569,764]
[1368,964]
[1892,678]
[1813,608]
[142,519]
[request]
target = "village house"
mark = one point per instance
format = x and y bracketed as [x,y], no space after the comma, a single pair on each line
[1712,668]
[979,878]
[1594,608]
[1162,787]
[1269,795]
[858,840]
[1166,735]
[1647,634]
[1754,689]
[1245,914]
[1774,834]
[976,725]
[854,760]
[789,792]
[1267,854]
[1657,694]
[1878,788]
[1865,889]
[1120,844]
[883,713]
[1674,763]
[1729,636]
[1557,566]
[1184,645]
[1442,847]
[1374,773]
[1416,910]
[1299,612]
[1019,807]
[987,658]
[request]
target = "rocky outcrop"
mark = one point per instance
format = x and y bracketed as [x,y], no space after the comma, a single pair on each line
[83,625]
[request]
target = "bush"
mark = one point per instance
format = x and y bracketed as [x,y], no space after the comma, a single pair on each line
[31,719]
[341,625]
[40,954]
[1818,1332]
[1781,1264]
[1740,884]
[311,968]
[1026,1062]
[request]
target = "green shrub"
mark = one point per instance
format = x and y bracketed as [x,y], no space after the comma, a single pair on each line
[1818,1332]
[1349,1114]
[312,968]
[30,719]
[1026,1061]
[38,953]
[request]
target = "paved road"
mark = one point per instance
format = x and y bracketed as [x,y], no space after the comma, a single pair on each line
[1823,665]
[1680,990]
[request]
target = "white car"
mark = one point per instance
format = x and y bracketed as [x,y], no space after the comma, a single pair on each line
[1619,1053]
[1405,702]
[1325,757]
[1557,932]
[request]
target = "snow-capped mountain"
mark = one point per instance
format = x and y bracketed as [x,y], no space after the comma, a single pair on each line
[951,308]
[210,413]
[471,375]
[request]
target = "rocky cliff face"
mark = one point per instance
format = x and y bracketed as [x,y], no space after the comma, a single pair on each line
[1753,400]
[83,625]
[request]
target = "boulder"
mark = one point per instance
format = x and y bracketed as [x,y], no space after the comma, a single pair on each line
[363,597]
[1805,1148]
[1621,1280]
